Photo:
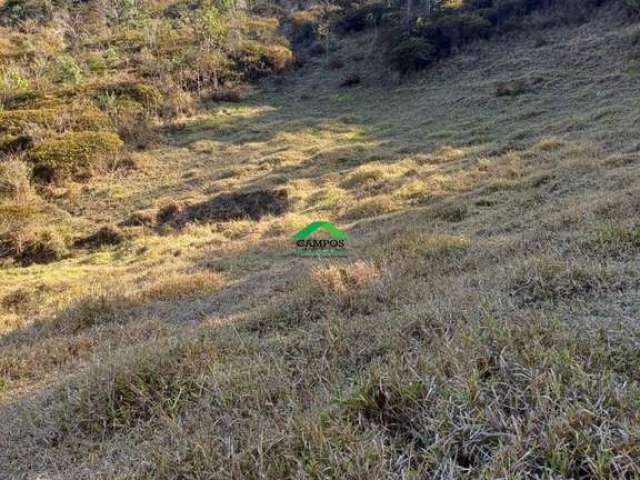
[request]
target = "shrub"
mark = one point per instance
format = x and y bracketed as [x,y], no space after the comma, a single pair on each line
[303,25]
[20,213]
[505,10]
[512,88]
[335,63]
[350,80]
[133,122]
[16,121]
[632,7]
[106,60]
[106,235]
[72,154]
[80,117]
[15,183]
[14,12]
[15,144]
[577,10]
[255,59]
[145,94]
[363,17]
[20,99]
[25,242]
[412,54]
[66,69]
[460,29]
[227,94]
[317,49]
[13,80]
[44,247]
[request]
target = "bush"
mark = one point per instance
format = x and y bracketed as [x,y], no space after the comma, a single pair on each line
[15,184]
[412,54]
[106,235]
[133,123]
[512,88]
[72,154]
[23,241]
[14,12]
[456,30]
[350,80]
[45,247]
[505,10]
[16,121]
[20,99]
[632,7]
[335,63]
[66,70]
[145,94]
[361,18]
[451,28]
[303,25]
[227,94]
[255,59]
[317,49]
[15,144]
[82,117]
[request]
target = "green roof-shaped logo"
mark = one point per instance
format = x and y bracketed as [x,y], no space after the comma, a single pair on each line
[328,227]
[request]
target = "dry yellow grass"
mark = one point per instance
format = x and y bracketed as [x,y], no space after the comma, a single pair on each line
[483,325]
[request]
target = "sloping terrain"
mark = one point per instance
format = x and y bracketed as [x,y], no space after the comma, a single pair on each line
[484,324]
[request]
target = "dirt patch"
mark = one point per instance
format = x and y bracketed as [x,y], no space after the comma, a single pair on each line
[226,207]
[105,236]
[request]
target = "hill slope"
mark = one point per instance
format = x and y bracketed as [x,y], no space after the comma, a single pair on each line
[482,325]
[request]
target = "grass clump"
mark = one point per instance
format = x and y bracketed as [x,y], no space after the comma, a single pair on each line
[454,402]
[551,280]
[450,211]
[415,244]
[154,381]
[613,241]
[371,207]
[367,175]
[350,288]
[512,88]
[73,154]
[114,304]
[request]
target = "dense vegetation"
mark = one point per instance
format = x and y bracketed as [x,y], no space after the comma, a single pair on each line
[84,84]
[417,34]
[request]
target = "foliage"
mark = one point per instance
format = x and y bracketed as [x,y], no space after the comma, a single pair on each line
[66,69]
[72,153]
[447,26]
[412,54]
[632,6]
[15,11]
[362,17]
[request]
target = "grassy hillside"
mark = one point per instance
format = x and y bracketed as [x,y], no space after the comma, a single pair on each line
[483,324]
